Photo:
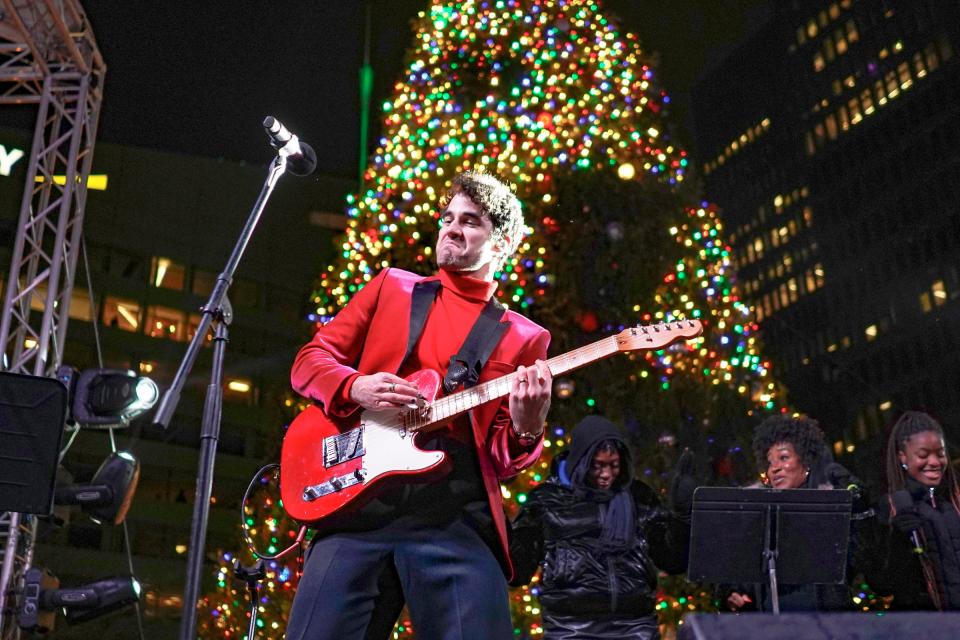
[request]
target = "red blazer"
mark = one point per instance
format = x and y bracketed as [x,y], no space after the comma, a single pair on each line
[370,335]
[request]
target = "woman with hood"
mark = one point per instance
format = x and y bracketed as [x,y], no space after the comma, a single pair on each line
[600,535]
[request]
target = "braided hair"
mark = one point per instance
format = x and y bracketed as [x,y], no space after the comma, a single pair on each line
[910,424]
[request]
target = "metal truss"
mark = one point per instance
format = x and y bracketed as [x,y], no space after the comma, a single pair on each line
[48,57]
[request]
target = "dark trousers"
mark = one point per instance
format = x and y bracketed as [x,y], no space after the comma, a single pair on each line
[354,585]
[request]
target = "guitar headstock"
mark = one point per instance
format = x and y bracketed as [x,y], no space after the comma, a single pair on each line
[657,336]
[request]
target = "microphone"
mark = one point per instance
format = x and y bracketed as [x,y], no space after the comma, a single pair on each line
[301,158]
[839,476]
[902,502]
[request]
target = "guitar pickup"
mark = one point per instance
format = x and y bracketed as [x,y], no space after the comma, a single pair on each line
[333,485]
[343,447]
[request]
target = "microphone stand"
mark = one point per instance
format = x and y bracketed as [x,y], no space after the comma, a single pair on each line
[217,309]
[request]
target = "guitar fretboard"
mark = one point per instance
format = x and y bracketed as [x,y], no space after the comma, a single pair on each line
[446,408]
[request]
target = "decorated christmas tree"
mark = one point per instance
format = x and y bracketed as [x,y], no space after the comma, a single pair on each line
[553,97]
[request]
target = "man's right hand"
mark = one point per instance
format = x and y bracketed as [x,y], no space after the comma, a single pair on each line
[383,391]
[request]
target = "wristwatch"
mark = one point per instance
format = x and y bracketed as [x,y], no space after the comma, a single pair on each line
[526,438]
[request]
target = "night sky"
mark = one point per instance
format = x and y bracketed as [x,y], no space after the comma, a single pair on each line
[198,78]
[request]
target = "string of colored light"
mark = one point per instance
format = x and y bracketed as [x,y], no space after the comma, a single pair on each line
[523,89]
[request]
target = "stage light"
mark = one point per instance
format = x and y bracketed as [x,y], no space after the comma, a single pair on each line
[78,604]
[107,498]
[103,398]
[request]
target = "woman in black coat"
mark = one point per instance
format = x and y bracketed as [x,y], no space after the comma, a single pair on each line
[919,536]
[600,536]
[791,454]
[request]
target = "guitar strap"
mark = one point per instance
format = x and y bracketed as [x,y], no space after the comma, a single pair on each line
[484,336]
[465,366]
[424,293]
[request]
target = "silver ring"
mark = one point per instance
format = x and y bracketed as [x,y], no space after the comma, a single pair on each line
[393,387]
[522,381]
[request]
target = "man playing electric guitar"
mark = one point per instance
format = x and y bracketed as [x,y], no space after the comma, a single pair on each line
[440,545]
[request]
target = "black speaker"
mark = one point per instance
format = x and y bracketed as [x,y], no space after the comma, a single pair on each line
[32,415]
[820,626]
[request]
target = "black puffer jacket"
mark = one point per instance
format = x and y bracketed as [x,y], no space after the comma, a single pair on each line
[896,570]
[562,531]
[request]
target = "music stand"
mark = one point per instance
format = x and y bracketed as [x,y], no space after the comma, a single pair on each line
[794,536]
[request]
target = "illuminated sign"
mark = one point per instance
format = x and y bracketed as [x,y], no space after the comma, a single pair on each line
[96,181]
[8,158]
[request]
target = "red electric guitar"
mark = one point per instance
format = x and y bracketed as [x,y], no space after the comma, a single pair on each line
[330,465]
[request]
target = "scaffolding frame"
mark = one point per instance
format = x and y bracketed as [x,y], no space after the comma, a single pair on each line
[48,58]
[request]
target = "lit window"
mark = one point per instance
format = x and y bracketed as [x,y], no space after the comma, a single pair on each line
[854,106]
[939,293]
[852,34]
[240,390]
[892,89]
[811,283]
[164,322]
[831,122]
[834,11]
[828,50]
[819,133]
[885,405]
[122,314]
[147,367]
[871,332]
[867,99]
[903,70]
[918,68]
[878,89]
[801,36]
[819,274]
[80,305]
[818,62]
[812,29]
[925,302]
[167,274]
[240,386]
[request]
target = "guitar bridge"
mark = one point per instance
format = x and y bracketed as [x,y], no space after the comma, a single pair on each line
[333,485]
[343,447]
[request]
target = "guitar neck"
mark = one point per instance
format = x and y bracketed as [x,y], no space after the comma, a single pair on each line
[446,408]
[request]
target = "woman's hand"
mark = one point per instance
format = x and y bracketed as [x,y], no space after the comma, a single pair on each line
[736,601]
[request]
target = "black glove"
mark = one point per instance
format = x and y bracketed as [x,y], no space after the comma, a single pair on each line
[683,485]
[907,521]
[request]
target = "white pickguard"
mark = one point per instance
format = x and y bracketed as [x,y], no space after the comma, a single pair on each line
[389,447]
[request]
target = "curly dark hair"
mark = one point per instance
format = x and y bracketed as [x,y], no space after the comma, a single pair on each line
[802,432]
[496,199]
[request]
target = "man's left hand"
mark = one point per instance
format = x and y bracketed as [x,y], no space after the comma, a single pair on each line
[530,397]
